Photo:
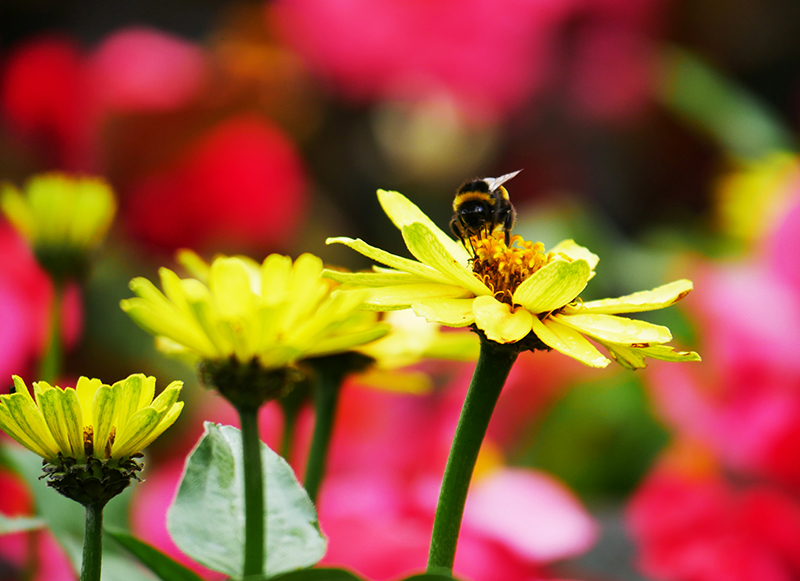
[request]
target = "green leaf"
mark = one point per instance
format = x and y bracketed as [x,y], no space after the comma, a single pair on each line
[19,524]
[318,575]
[162,565]
[206,520]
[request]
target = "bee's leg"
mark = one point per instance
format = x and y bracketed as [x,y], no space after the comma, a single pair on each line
[508,224]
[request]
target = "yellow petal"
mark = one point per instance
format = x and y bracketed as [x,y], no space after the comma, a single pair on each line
[136,430]
[426,247]
[229,282]
[403,212]
[166,421]
[499,322]
[553,286]
[86,389]
[276,272]
[445,311]
[615,329]
[569,342]
[392,260]
[194,265]
[649,300]
[103,412]
[403,296]
[373,279]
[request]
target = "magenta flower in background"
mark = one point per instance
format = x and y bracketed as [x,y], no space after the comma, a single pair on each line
[742,411]
[144,69]
[490,57]
[25,296]
[698,527]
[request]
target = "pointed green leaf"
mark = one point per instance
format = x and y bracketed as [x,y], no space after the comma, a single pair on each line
[162,565]
[212,488]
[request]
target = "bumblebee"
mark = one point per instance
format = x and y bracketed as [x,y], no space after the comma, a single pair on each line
[482,207]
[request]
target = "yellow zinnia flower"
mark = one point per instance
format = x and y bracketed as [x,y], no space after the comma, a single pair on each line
[63,218]
[275,313]
[510,293]
[93,420]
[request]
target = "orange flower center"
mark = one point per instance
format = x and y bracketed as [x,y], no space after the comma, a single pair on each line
[503,268]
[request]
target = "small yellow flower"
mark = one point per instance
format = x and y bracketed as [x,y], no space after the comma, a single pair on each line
[93,420]
[510,293]
[276,312]
[60,215]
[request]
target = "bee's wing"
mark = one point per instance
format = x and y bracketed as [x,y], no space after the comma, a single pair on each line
[495,183]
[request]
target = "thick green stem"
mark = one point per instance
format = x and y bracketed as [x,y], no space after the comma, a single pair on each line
[494,364]
[254,533]
[50,365]
[92,543]
[330,373]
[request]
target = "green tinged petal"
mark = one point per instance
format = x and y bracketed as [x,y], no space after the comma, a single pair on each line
[21,419]
[61,411]
[649,300]
[372,279]
[427,248]
[553,286]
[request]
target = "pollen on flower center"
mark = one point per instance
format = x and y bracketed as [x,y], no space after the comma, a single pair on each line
[503,268]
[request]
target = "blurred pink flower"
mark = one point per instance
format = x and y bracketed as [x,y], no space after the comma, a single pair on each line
[692,528]
[57,95]
[242,182]
[378,501]
[383,481]
[744,401]
[491,57]
[25,298]
[144,69]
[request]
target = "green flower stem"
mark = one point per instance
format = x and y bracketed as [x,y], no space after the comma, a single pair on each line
[50,365]
[254,533]
[494,364]
[92,542]
[330,373]
[291,405]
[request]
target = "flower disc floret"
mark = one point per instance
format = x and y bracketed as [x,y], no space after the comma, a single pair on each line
[512,294]
[92,420]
